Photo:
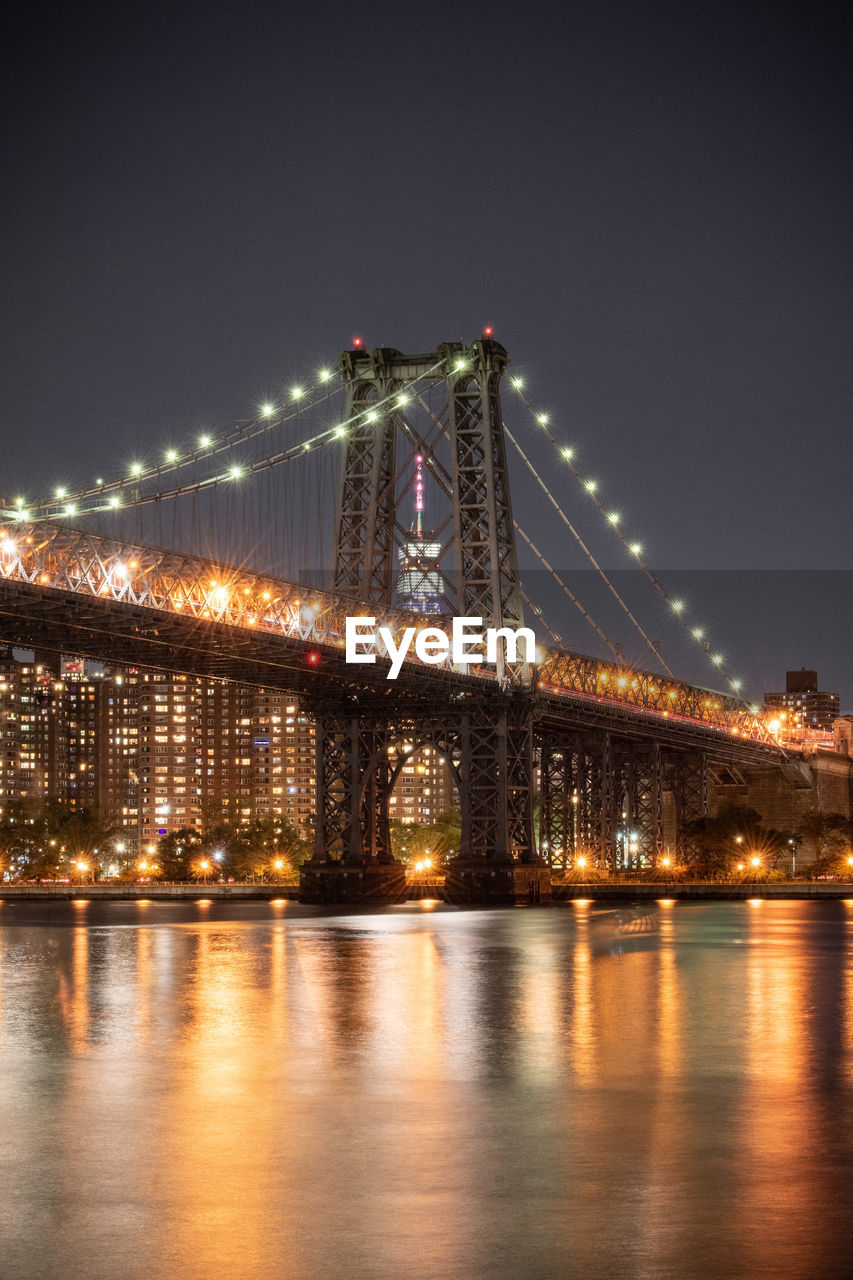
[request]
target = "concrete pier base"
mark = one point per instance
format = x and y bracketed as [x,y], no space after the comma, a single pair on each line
[346,882]
[473,882]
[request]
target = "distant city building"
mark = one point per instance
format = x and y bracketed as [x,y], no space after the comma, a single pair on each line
[159,751]
[425,788]
[803,705]
[419,582]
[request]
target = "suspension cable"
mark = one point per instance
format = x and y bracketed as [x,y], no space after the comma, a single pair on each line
[567,591]
[634,549]
[601,573]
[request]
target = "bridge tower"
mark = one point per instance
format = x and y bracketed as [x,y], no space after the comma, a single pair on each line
[438,413]
[478,536]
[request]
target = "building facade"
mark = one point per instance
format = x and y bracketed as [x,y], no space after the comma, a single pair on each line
[159,751]
[803,707]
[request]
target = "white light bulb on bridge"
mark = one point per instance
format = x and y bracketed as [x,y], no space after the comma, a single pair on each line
[402,400]
[460,364]
[61,491]
[267,409]
[171,455]
[591,485]
[325,375]
[372,416]
[517,383]
[297,392]
[542,419]
[568,454]
[698,633]
[19,502]
[340,431]
[737,684]
[70,509]
[235,472]
[636,548]
[136,469]
[754,708]
[613,517]
[204,441]
[717,659]
[7,545]
[678,605]
[115,500]
[100,481]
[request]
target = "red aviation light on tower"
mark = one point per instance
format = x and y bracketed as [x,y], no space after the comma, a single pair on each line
[357,342]
[313,658]
[488,332]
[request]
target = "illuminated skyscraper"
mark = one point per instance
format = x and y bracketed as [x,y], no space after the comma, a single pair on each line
[419,584]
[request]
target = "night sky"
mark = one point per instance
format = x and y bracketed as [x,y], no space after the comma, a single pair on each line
[650,203]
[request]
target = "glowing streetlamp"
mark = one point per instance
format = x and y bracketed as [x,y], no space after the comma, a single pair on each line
[205,867]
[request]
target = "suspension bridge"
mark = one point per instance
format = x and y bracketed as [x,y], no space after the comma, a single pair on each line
[598,742]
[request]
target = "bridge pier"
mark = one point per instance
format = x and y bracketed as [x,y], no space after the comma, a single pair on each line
[472,882]
[366,882]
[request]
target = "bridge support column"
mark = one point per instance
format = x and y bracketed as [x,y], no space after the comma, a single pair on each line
[559,802]
[690,785]
[639,799]
[498,863]
[607,799]
[352,859]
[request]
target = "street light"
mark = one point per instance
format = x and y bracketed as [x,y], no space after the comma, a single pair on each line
[205,866]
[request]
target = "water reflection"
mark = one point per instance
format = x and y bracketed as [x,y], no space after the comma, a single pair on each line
[268,1091]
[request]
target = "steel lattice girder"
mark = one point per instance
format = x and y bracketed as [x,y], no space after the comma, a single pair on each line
[561,813]
[690,784]
[639,800]
[364,534]
[614,685]
[486,568]
[488,746]
[108,598]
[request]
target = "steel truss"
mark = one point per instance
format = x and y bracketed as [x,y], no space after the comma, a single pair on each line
[602,799]
[485,581]
[488,746]
[59,565]
[691,796]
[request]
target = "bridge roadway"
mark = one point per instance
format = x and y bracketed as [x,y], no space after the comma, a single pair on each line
[76,592]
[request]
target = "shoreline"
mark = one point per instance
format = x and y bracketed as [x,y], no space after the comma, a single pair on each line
[641,891]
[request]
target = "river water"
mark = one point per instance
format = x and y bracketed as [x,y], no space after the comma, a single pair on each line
[268,1090]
